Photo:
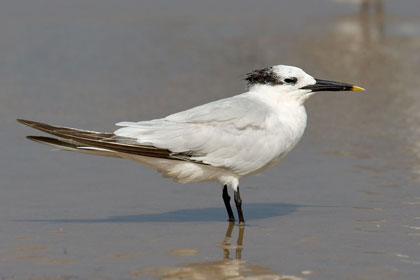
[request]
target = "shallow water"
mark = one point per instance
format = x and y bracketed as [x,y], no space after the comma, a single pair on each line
[345,204]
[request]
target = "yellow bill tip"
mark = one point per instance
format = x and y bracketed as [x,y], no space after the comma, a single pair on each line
[356,88]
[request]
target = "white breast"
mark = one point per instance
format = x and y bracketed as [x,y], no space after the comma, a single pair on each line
[286,130]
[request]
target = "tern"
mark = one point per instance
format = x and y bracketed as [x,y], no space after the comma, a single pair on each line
[220,141]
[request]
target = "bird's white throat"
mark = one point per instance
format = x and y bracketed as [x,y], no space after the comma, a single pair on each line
[279,94]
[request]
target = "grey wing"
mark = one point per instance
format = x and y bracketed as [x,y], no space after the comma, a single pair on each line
[227,133]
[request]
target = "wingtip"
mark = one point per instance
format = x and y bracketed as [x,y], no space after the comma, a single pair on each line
[29,123]
[33,138]
[42,139]
[25,122]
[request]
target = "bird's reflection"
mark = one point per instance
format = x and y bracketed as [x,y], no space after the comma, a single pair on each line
[231,266]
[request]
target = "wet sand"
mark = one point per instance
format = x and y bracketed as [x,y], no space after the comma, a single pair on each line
[345,204]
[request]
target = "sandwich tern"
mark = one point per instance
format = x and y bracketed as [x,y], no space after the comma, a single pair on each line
[219,141]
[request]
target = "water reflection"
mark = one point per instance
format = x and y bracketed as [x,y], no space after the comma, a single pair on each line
[370,22]
[380,50]
[231,266]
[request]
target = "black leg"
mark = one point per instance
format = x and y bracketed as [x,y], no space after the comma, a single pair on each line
[238,202]
[226,200]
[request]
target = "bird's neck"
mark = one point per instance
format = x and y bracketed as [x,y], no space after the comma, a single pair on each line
[274,96]
[287,111]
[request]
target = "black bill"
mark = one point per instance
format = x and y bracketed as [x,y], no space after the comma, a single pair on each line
[324,85]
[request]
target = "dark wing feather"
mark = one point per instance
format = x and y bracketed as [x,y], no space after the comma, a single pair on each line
[53,142]
[106,141]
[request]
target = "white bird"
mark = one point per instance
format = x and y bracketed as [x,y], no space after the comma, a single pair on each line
[219,141]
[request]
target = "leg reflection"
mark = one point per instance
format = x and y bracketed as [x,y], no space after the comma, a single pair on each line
[239,242]
[225,268]
[227,246]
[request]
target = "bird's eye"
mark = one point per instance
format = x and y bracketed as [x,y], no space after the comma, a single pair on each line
[290,80]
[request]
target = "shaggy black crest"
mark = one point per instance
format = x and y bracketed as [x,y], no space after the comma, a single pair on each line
[265,76]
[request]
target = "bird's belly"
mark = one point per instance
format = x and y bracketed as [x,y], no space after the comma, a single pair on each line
[268,165]
[186,172]
[271,161]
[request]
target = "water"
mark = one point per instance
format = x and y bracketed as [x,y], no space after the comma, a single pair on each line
[343,205]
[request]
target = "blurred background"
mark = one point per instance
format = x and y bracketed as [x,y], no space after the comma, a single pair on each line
[343,205]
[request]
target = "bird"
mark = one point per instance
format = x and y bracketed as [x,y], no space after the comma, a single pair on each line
[220,141]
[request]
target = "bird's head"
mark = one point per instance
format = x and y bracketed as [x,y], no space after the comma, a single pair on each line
[291,83]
